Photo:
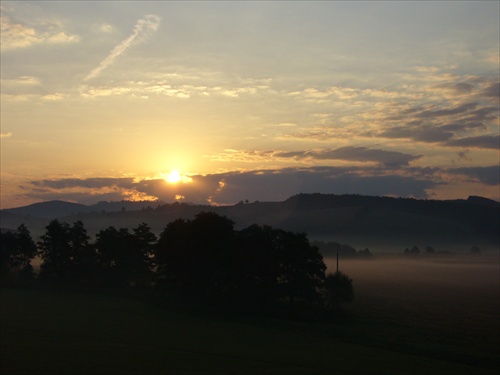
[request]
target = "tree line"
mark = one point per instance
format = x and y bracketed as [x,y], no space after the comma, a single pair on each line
[203,261]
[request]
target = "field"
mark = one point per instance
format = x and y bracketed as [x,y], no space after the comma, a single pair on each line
[438,316]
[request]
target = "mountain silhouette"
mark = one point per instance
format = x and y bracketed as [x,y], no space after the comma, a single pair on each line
[355,219]
[49,210]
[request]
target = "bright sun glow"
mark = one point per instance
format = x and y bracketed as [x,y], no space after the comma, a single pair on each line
[174,177]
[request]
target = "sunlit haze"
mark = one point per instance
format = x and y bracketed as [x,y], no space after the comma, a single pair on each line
[174,177]
[217,102]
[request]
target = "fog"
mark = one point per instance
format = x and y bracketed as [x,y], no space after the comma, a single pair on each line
[458,291]
[452,270]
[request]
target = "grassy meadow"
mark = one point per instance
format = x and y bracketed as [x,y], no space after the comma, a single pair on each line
[411,317]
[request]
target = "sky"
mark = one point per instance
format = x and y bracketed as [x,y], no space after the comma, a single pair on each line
[228,101]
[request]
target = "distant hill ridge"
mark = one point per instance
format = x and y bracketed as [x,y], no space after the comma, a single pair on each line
[346,218]
[319,201]
[57,208]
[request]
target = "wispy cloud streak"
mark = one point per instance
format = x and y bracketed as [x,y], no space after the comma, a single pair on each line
[143,29]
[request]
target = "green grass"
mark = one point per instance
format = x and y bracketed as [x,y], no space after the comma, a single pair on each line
[49,332]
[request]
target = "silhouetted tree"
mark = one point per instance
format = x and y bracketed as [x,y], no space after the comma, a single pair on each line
[258,267]
[413,251]
[84,260]
[197,257]
[67,255]
[145,239]
[429,250]
[124,258]
[207,260]
[16,252]
[338,289]
[173,253]
[55,251]
[302,269]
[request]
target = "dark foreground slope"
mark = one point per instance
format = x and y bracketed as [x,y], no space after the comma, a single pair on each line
[408,317]
[359,220]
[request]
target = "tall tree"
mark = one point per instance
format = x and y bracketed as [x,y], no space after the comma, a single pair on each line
[196,257]
[68,257]
[258,267]
[172,254]
[16,253]
[302,269]
[125,258]
[84,260]
[56,253]
[145,241]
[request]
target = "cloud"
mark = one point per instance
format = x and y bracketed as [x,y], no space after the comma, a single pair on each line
[418,133]
[350,153]
[460,109]
[16,35]
[421,108]
[231,187]
[185,83]
[267,184]
[426,69]
[22,81]
[143,29]
[94,183]
[492,91]
[459,115]
[55,97]
[489,175]
[491,141]
[456,88]
[280,184]
[103,28]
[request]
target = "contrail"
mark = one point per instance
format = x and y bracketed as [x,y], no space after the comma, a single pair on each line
[143,29]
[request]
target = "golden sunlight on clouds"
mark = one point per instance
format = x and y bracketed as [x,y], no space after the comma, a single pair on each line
[16,35]
[153,100]
[174,177]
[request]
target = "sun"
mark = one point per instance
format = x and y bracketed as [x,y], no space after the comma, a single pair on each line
[174,177]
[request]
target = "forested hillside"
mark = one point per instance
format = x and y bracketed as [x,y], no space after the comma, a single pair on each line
[360,220]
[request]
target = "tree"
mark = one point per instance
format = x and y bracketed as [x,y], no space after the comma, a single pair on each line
[144,242]
[208,261]
[16,253]
[302,269]
[124,257]
[429,250]
[68,257]
[84,260]
[55,251]
[413,251]
[258,267]
[172,255]
[338,290]
[197,258]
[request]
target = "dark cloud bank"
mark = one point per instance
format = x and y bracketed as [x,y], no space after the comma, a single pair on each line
[263,185]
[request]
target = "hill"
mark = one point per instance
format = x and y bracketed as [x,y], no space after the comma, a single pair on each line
[48,210]
[363,221]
